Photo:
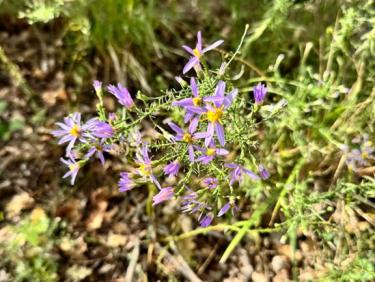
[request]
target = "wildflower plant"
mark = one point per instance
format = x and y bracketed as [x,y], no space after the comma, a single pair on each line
[207,150]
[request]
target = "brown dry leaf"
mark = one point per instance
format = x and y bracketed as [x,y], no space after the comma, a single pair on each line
[115,240]
[18,203]
[278,263]
[4,276]
[110,214]
[78,273]
[73,247]
[107,268]
[98,199]
[286,250]
[71,210]
[6,234]
[95,220]
[259,277]
[50,97]
[281,276]
[308,274]
[100,194]
[120,227]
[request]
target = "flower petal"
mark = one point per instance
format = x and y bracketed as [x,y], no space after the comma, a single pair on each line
[212,46]
[184,102]
[191,153]
[193,86]
[176,128]
[222,152]
[190,64]
[199,41]
[193,125]
[196,110]
[188,49]
[210,132]
[220,89]
[229,99]
[220,133]
[251,174]
[224,209]
[201,135]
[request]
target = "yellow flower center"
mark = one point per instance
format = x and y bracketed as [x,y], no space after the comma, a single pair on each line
[210,151]
[197,101]
[73,167]
[187,138]
[75,130]
[145,169]
[364,155]
[197,53]
[215,115]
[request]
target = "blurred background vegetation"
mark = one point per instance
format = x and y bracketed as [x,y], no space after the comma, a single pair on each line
[318,55]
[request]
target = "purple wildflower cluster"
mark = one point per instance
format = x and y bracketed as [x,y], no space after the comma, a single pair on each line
[201,143]
[362,155]
[92,136]
[204,136]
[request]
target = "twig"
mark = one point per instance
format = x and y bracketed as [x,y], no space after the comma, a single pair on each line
[210,257]
[219,227]
[239,46]
[340,166]
[133,261]
[180,264]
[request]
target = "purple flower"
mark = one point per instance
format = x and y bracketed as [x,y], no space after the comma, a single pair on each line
[99,129]
[215,112]
[226,207]
[260,92]
[359,157]
[206,221]
[191,105]
[97,85]
[163,195]
[122,94]
[70,131]
[144,163]
[197,52]
[125,183]
[98,148]
[190,203]
[263,172]
[73,169]
[186,136]
[210,182]
[238,171]
[210,153]
[172,169]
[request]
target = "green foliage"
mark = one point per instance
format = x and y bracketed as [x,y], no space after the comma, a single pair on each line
[7,128]
[41,10]
[28,248]
[361,269]
[317,60]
